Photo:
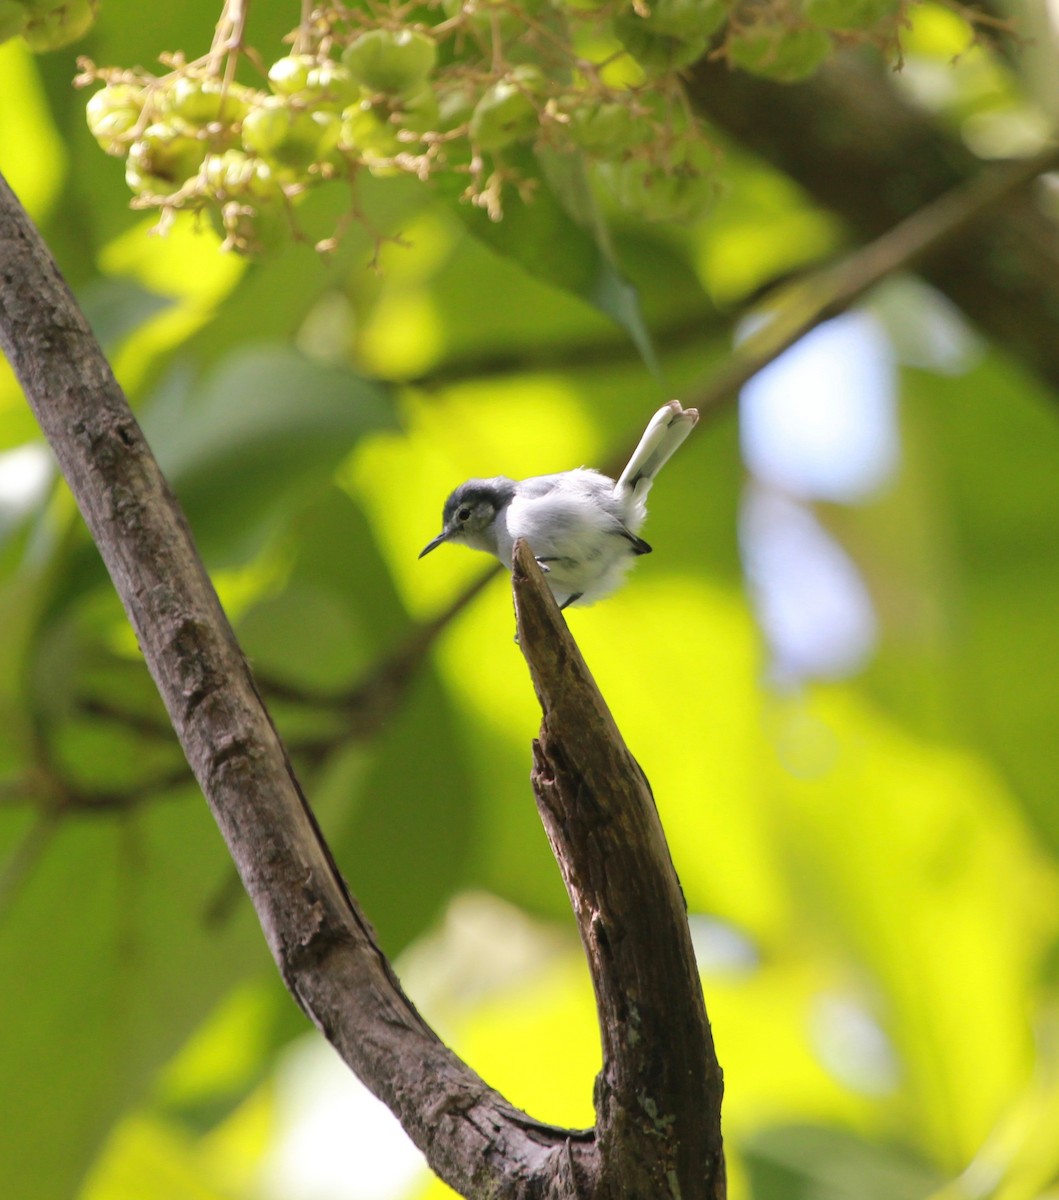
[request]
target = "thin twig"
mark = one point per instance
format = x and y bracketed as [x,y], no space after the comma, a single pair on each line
[809,301]
[25,855]
[372,701]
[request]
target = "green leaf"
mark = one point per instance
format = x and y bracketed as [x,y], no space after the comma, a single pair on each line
[970,652]
[415,830]
[808,1162]
[305,637]
[568,251]
[902,851]
[117,307]
[335,549]
[109,961]
[403,845]
[265,424]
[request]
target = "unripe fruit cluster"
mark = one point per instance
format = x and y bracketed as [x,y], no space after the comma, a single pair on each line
[789,40]
[243,153]
[597,76]
[46,24]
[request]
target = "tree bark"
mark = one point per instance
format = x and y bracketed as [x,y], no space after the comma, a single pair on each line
[658,1114]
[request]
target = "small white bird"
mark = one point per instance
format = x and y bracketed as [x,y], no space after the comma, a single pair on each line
[582,526]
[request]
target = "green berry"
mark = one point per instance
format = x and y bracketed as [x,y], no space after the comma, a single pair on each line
[289,75]
[678,191]
[202,101]
[657,52]
[233,174]
[373,127]
[313,83]
[366,130]
[13,17]
[288,136]
[506,112]
[491,19]
[850,14]
[785,56]
[455,106]
[417,112]
[389,60]
[255,229]
[607,130]
[111,113]
[58,26]
[163,159]
[265,126]
[690,20]
[331,85]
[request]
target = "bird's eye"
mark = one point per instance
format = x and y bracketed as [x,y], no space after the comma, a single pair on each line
[463,514]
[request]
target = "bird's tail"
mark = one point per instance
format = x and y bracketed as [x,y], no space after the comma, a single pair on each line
[663,435]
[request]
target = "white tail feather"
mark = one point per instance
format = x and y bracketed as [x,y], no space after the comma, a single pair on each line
[661,439]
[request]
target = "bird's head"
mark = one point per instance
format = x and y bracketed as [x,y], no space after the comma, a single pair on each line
[469,515]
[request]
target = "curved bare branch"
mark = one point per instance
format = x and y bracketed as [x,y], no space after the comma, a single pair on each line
[324,947]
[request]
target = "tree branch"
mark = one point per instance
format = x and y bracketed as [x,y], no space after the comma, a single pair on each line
[325,949]
[815,297]
[658,1098]
[689,329]
[850,140]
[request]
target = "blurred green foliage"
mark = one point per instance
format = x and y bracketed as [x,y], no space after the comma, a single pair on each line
[870,862]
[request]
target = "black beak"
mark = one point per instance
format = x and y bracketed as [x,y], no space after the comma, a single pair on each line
[434,543]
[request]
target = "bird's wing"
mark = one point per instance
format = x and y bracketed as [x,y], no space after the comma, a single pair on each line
[537,486]
[639,546]
[563,516]
[581,479]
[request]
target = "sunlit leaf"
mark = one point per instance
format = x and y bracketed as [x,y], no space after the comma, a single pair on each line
[798,1162]
[32,156]
[109,961]
[913,860]
[540,234]
[994,442]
